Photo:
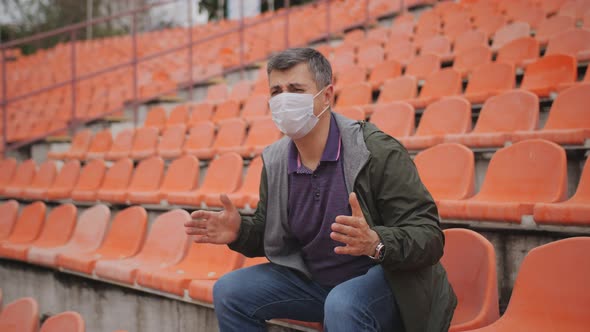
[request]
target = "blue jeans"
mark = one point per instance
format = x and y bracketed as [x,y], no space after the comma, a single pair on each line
[246,298]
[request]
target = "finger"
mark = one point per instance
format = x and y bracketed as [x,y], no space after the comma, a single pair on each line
[347,230]
[196,223]
[196,231]
[347,251]
[202,214]
[348,221]
[202,239]
[354,205]
[343,238]
[227,204]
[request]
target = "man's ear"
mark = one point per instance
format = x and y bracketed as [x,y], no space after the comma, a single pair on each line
[329,95]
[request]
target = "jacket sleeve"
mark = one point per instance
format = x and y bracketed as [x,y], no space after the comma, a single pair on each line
[409,223]
[250,241]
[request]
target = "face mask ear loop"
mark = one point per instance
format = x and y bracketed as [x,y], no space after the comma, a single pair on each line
[325,109]
[317,94]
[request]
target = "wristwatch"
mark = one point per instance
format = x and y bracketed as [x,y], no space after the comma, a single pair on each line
[379,252]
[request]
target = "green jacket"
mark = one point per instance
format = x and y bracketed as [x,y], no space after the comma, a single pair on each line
[395,204]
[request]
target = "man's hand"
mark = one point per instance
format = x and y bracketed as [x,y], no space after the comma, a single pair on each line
[354,232]
[215,227]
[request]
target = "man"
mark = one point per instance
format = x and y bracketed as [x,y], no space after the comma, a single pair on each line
[351,233]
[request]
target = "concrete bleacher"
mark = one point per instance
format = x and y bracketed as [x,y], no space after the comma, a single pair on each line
[494,123]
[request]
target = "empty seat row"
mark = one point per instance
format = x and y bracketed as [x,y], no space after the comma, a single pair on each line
[22,315]
[148,183]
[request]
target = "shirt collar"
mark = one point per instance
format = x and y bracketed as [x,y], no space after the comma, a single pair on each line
[331,150]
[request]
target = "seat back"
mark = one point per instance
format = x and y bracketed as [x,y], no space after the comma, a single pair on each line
[224,174]
[565,308]
[550,71]
[519,50]
[439,45]
[469,60]
[90,229]
[7,168]
[156,118]
[351,74]
[262,132]
[45,175]
[397,89]
[355,94]
[553,26]
[178,116]
[470,262]
[167,239]
[583,190]
[8,214]
[423,65]
[21,315]
[251,183]
[100,144]
[383,71]
[147,175]
[508,112]
[58,228]
[469,39]
[352,112]
[200,136]
[24,174]
[211,261]
[396,119]
[80,143]
[145,138]
[232,132]
[255,106]
[370,55]
[182,175]
[217,93]
[570,42]
[528,171]
[173,138]
[402,51]
[127,232]
[91,176]
[67,176]
[228,109]
[118,175]
[570,109]
[447,170]
[68,321]
[123,142]
[29,223]
[201,112]
[450,115]
[241,91]
[491,78]
[446,82]
[510,32]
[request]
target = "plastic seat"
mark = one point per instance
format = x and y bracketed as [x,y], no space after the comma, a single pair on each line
[469,39]
[548,73]
[447,170]
[470,262]
[518,177]
[144,143]
[115,183]
[456,25]
[451,115]
[87,236]
[439,46]
[146,179]
[165,245]
[69,321]
[199,140]
[121,145]
[568,122]
[170,144]
[352,112]
[89,182]
[403,52]
[203,261]
[23,176]
[553,26]
[574,42]
[444,83]
[229,109]
[423,66]
[65,181]
[217,93]
[397,89]
[509,33]
[56,231]
[44,178]
[396,119]
[574,8]
[350,74]
[383,71]
[100,145]
[8,217]
[77,149]
[248,194]
[355,94]
[7,168]
[489,80]
[501,116]
[178,116]
[241,91]
[224,176]
[21,315]
[489,23]
[202,112]
[28,225]
[370,55]
[155,118]
[468,61]
[263,132]
[535,307]
[124,239]
[519,52]
[255,107]
[522,11]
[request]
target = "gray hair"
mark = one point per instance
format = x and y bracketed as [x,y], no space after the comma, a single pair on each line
[318,65]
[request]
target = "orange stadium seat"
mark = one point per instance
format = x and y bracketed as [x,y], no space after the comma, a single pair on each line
[354,95]
[447,170]
[469,39]
[263,132]
[468,61]
[422,66]
[87,236]
[489,23]
[510,32]
[89,181]
[439,46]
[489,80]
[553,26]
[241,91]
[450,115]
[535,307]
[124,239]
[182,175]
[155,118]
[549,73]
[396,119]
[397,89]
[247,195]
[550,6]
[470,261]
[7,168]
[519,52]
[518,177]
[99,145]
[178,116]
[224,176]
[568,121]
[165,245]
[8,216]
[28,225]
[68,321]
[202,112]
[574,8]
[574,42]
[144,143]
[401,51]
[23,176]
[443,83]
[587,20]
[202,261]
[217,93]
[522,11]
[56,231]
[65,181]
[199,140]
[21,315]
[352,112]
[350,74]
[456,26]
[228,109]
[370,55]
[383,71]
[255,107]
[501,116]
[121,146]
[146,179]
[77,149]
[230,136]
[115,182]
[44,178]
[170,144]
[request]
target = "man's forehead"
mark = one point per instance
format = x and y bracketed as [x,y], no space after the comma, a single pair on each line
[299,74]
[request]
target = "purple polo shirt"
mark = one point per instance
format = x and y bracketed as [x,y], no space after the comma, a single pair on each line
[316,198]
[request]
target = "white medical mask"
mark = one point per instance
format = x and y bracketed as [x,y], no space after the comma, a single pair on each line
[293,114]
